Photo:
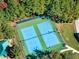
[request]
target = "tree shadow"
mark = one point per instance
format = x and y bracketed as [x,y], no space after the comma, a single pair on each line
[31,56]
[41,54]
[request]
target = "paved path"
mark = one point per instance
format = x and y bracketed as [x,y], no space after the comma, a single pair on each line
[69,48]
[77,25]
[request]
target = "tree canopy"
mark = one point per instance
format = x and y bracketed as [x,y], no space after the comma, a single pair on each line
[67,10]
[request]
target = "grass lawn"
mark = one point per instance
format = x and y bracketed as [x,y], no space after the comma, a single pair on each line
[75,56]
[67,32]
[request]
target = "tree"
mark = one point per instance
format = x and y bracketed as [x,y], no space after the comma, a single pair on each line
[13,51]
[32,56]
[77,7]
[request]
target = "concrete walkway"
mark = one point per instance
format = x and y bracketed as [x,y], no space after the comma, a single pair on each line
[69,49]
[77,25]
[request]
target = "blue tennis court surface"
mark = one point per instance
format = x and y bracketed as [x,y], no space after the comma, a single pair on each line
[45,27]
[50,39]
[49,36]
[33,44]
[31,39]
[28,32]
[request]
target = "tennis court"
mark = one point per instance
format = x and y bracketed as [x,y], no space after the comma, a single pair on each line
[48,34]
[38,34]
[31,39]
